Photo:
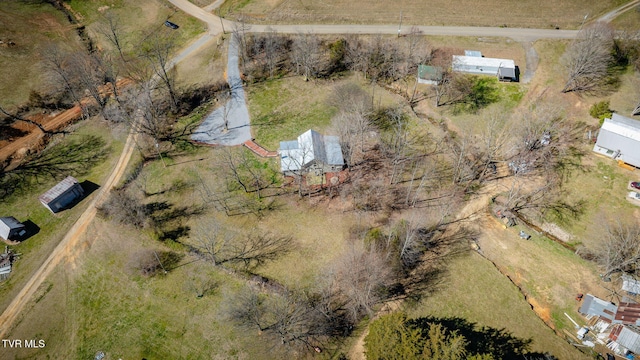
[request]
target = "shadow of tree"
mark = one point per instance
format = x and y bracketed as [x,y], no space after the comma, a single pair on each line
[481,340]
[75,157]
[168,220]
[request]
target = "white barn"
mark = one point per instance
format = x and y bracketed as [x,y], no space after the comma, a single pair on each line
[619,139]
[311,152]
[504,69]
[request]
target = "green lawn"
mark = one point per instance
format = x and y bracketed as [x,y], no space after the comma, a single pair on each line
[475,290]
[285,108]
[30,25]
[25,205]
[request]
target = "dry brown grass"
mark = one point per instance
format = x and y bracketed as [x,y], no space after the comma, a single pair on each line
[528,13]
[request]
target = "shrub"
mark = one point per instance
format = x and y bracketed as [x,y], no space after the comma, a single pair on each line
[600,110]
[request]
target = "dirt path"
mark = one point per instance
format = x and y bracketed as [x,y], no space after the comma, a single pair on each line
[608,17]
[70,243]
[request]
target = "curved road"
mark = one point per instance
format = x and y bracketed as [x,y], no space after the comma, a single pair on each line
[215,25]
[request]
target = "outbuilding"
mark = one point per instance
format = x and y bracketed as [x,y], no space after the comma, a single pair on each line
[619,139]
[312,151]
[64,193]
[504,69]
[431,75]
[11,228]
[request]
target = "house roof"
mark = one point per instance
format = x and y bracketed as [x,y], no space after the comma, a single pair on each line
[461,61]
[623,126]
[623,134]
[473,53]
[11,222]
[310,146]
[592,305]
[628,313]
[428,72]
[630,284]
[629,337]
[58,190]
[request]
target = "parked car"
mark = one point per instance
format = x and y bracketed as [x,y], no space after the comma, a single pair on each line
[524,235]
[635,185]
[634,195]
[171,25]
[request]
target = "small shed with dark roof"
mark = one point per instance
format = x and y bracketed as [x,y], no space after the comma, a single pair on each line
[10,228]
[64,193]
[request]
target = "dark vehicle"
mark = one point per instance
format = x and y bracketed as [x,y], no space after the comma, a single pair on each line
[635,185]
[171,25]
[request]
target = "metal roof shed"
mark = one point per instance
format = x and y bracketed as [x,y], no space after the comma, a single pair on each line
[619,138]
[629,338]
[10,227]
[485,66]
[431,75]
[61,195]
[630,284]
[592,305]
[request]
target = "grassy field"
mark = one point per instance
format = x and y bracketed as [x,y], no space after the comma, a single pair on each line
[137,19]
[25,206]
[630,20]
[31,26]
[548,14]
[475,290]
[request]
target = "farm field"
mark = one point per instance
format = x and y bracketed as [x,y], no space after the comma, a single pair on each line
[102,299]
[473,289]
[31,26]
[567,14]
[89,155]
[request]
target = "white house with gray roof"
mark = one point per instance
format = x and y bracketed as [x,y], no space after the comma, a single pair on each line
[619,139]
[312,151]
[504,69]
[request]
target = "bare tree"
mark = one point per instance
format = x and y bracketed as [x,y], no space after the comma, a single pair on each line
[220,246]
[57,61]
[306,55]
[293,319]
[587,59]
[361,276]
[620,249]
[157,50]
[111,29]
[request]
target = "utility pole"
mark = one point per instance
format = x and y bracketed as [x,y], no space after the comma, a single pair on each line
[400,25]
[583,20]
[160,154]
[221,23]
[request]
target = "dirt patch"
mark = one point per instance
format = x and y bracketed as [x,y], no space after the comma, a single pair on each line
[543,312]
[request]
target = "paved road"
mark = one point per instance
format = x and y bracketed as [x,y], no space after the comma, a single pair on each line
[234,112]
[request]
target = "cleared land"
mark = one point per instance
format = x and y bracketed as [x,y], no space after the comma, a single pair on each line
[30,26]
[476,291]
[548,14]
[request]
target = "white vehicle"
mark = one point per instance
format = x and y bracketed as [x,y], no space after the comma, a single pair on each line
[634,195]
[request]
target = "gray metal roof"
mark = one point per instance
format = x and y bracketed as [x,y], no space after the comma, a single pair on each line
[629,148]
[333,150]
[630,284]
[592,305]
[310,146]
[58,190]
[507,72]
[630,339]
[11,222]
